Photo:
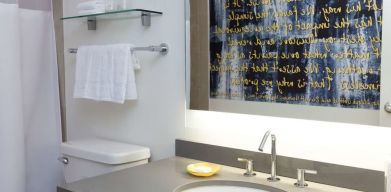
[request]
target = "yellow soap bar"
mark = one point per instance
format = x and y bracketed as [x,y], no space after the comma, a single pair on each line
[203,169]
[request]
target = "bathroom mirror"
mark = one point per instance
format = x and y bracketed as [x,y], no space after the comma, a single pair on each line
[307,59]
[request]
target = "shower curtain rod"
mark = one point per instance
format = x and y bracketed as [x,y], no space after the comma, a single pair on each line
[162,48]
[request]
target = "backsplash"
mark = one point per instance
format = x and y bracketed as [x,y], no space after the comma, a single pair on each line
[338,143]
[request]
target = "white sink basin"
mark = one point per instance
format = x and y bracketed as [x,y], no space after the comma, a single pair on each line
[214,188]
[226,186]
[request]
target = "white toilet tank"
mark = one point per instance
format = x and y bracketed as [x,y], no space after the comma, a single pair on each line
[92,157]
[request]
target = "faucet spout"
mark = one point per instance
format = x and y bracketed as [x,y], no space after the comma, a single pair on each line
[263,142]
[273,156]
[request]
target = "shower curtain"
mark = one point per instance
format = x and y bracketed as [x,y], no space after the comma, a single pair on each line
[29,103]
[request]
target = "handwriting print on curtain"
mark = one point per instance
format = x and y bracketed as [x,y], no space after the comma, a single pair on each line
[29,106]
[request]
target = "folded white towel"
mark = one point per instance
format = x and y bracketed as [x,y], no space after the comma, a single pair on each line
[92,11]
[105,73]
[91,5]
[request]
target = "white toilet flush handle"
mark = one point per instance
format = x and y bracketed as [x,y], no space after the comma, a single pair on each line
[64,160]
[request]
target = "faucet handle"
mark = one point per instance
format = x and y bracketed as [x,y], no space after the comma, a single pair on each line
[301,177]
[249,167]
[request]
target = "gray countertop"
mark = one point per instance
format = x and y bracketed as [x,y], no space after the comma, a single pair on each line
[168,174]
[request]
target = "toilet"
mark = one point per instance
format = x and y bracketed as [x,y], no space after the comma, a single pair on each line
[92,157]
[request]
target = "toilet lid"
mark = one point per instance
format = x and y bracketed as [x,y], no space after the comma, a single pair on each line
[105,151]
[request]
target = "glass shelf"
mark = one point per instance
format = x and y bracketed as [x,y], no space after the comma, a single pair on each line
[128,13]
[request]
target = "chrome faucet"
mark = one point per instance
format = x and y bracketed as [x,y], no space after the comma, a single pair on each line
[301,179]
[273,177]
[249,167]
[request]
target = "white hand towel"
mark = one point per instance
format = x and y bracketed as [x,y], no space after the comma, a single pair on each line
[92,11]
[105,73]
[131,89]
[91,5]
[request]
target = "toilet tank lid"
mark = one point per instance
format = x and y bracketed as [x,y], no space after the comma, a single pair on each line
[105,151]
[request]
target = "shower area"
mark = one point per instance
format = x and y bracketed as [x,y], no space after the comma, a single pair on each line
[30,123]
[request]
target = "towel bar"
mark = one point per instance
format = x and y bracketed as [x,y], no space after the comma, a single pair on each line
[162,48]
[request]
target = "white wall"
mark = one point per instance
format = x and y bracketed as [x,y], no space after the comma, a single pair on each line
[345,144]
[157,117]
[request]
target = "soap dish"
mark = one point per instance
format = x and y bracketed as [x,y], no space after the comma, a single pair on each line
[203,169]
